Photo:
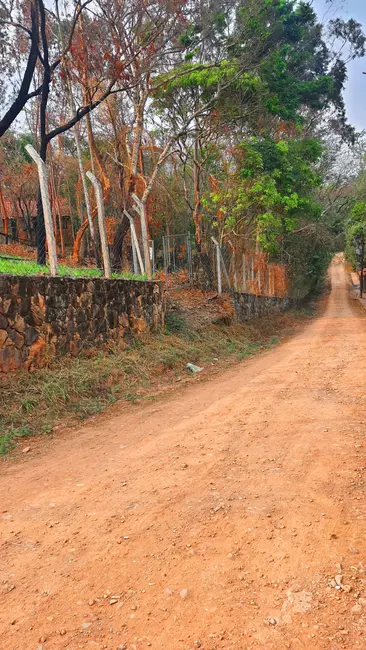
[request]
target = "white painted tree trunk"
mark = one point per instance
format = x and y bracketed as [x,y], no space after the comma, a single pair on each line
[141,210]
[134,257]
[101,223]
[135,244]
[43,183]
[218,264]
[83,181]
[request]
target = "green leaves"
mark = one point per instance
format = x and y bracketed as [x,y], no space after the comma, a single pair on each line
[355,230]
[272,189]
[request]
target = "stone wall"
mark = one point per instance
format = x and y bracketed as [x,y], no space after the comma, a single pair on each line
[248,305]
[43,317]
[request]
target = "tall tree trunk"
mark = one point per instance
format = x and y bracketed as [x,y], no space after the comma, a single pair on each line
[56,206]
[76,132]
[124,225]
[5,217]
[137,130]
[117,248]
[41,230]
[22,96]
[197,196]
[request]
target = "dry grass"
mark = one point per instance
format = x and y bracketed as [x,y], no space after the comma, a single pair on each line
[74,389]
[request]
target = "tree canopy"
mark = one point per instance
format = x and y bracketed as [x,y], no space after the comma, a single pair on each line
[219,116]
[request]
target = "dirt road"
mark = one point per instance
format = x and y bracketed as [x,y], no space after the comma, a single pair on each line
[229,516]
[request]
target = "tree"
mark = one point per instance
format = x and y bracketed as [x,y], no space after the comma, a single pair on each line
[356,237]
[223,108]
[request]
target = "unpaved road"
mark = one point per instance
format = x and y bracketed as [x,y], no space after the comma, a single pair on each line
[213,519]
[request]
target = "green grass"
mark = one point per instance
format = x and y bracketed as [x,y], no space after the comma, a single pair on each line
[174,323]
[73,389]
[19,266]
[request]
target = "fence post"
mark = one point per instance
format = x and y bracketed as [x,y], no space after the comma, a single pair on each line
[152,248]
[218,264]
[101,223]
[189,258]
[135,245]
[165,262]
[233,266]
[43,184]
[225,270]
[141,210]
[235,273]
[134,257]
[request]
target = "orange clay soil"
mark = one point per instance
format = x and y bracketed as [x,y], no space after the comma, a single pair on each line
[230,515]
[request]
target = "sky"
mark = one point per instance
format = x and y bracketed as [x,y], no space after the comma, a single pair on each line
[355,95]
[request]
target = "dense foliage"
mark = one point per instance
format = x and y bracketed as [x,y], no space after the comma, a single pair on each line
[356,233]
[219,116]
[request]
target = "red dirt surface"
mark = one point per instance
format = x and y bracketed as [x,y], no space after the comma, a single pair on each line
[228,516]
[200,309]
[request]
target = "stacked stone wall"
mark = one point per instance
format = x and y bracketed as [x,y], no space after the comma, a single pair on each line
[44,317]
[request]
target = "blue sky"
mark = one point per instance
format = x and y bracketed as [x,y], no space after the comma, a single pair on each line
[355,95]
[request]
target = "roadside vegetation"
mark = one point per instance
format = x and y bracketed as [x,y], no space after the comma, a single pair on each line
[19,266]
[225,121]
[73,389]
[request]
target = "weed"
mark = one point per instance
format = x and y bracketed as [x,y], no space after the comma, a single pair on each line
[174,324]
[73,389]
[131,397]
[28,404]
[273,341]
[248,350]
[170,360]
[8,438]
[194,353]
[87,407]
[6,443]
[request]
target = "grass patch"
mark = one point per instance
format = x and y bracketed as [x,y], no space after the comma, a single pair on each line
[19,266]
[74,389]
[174,323]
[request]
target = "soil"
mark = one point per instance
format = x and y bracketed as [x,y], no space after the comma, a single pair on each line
[230,515]
[200,309]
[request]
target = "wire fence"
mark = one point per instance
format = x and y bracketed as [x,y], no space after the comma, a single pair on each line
[225,267]
[230,267]
[252,272]
[39,239]
[177,259]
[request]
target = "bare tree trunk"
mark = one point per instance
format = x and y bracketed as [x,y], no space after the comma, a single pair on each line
[56,204]
[22,96]
[90,136]
[41,230]
[5,217]
[197,196]
[128,204]
[76,132]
